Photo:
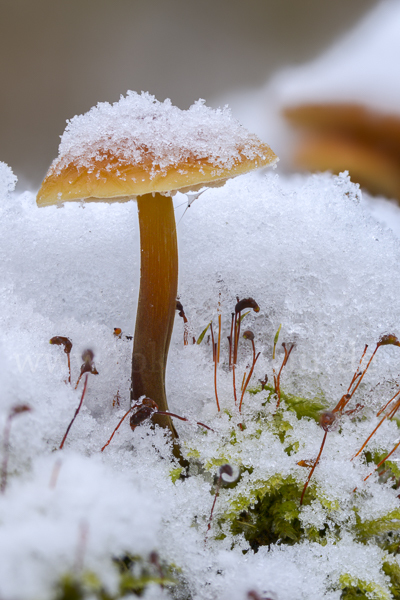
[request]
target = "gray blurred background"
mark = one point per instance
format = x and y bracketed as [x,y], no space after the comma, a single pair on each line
[60,57]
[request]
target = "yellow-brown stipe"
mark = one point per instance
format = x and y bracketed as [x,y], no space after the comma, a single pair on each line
[157,301]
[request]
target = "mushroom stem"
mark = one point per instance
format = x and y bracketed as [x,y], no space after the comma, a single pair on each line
[157,301]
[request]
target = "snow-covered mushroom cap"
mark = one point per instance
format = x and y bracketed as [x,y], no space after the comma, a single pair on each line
[139,145]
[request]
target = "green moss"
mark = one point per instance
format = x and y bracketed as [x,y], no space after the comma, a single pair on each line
[391,468]
[380,527]
[69,588]
[353,593]
[273,515]
[392,570]
[193,453]
[357,588]
[135,574]
[302,407]
[175,474]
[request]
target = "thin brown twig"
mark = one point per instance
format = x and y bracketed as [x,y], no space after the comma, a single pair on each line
[170,414]
[248,380]
[79,378]
[343,402]
[341,405]
[14,411]
[357,372]
[389,415]
[382,461]
[230,339]
[313,468]
[117,427]
[277,380]
[234,382]
[243,380]
[158,412]
[237,328]
[215,351]
[76,412]
[219,336]
[69,368]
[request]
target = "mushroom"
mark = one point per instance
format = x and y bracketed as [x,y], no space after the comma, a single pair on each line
[139,148]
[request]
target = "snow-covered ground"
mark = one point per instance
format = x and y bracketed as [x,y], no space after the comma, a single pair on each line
[310,253]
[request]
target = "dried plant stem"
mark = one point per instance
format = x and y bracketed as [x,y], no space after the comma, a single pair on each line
[277,379]
[213,506]
[357,372]
[54,474]
[215,380]
[14,411]
[6,440]
[230,339]
[79,378]
[341,405]
[255,358]
[116,429]
[234,382]
[237,334]
[387,404]
[76,412]
[313,468]
[388,416]
[236,328]
[215,352]
[243,380]
[343,402]
[69,368]
[219,336]
[160,412]
[382,461]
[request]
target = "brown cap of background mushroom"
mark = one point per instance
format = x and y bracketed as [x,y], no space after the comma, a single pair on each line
[139,147]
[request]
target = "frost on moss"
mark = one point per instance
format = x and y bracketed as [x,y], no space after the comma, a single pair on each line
[302,407]
[266,510]
[134,576]
[274,516]
[352,589]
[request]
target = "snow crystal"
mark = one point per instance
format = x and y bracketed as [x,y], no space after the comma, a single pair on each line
[139,126]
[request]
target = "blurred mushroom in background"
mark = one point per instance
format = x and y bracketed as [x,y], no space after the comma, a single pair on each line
[346,105]
[340,111]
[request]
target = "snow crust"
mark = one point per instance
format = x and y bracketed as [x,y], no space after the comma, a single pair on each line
[308,251]
[138,127]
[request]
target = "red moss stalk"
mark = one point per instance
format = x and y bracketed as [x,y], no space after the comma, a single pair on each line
[14,411]
[76,412]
